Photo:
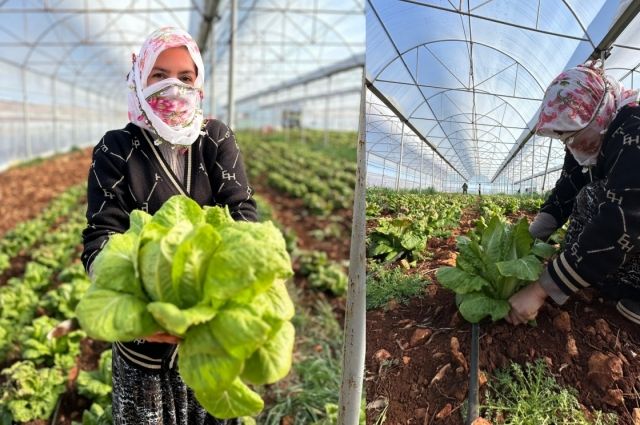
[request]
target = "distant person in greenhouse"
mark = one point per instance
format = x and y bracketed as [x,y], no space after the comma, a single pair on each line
[166,149]
[479,189]
[465,186]
[598,191]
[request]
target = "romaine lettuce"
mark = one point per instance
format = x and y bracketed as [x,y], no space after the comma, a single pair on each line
[217,283]
[492,267]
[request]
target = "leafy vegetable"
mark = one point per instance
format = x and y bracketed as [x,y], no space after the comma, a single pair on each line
[31,393]
[492,267]
[96,384]
[196,273]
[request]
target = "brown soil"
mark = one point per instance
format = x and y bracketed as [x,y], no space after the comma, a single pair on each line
[586,343]
[26,190]
[292,213]
[24,196]
[17,267]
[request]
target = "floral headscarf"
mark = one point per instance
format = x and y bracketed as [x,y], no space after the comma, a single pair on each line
[582,98]
[182,129]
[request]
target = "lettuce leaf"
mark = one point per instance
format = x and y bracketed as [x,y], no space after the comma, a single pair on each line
[272,361]
[249,258]
[114,316]
[220,284]
[237,400]
[492,267]
[114,269]
[204,364]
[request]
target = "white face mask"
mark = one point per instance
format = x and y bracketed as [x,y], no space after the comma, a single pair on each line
[174,102]
[585,147]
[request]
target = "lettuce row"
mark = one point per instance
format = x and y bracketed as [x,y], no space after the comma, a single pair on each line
[219,284]
[492,266]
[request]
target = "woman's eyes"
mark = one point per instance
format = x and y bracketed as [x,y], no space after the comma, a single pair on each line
[161,76]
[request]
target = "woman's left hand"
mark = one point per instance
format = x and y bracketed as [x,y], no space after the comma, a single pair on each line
[525,304]
[163,337]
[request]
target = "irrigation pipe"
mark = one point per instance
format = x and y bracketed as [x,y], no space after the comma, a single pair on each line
[473,375]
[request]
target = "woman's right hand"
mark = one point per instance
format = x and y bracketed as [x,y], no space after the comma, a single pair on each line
[163,337]
[542,226]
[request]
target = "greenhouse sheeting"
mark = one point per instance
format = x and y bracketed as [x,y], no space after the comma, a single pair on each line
[463,87]
[64,65]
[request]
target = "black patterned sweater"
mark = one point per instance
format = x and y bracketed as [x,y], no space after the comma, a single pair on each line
[608,240]
[128,172]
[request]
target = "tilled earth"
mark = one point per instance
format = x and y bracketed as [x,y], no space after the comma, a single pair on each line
[26,190]
[418,355]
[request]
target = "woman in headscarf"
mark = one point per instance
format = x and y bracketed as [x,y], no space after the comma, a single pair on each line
[165,150]
[599,191]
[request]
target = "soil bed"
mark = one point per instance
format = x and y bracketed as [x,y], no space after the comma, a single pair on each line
[24,196]
[586,343]
[26,190]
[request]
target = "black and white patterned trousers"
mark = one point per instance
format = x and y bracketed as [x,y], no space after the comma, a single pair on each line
[624,282]
[155,398]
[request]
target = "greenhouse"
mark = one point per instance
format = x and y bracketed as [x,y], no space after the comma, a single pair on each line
[286,78]
[499,284]
[456,99]
[65,65]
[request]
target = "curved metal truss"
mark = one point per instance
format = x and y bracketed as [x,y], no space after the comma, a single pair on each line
[470,75]
[65,63]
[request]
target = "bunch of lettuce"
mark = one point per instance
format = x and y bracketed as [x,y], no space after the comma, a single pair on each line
[492,266]
[217,283]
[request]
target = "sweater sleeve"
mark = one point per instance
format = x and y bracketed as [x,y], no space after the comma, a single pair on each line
[229,180]
[563,195]
[608,240]
[106,206]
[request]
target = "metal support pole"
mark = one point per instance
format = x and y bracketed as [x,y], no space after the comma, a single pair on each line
[232,46]
[304,90]
[54,115]
[25,114]
[433,173]
[353,350]
[520,176]
[326,112]
[212,67]
[533,161]
[401,154]
[384,168]
[546,167]
[421,161]
[74,134]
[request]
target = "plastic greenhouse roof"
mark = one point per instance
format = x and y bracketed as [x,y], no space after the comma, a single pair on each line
[468,76]
[88,44]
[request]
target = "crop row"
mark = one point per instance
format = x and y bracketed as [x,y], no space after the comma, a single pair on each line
[323,182]
[27,233]
[31,307]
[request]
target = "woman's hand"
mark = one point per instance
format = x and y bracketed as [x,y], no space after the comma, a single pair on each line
[525,304]
[163,337]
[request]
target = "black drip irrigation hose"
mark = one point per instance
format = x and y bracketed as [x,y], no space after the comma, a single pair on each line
[473,375]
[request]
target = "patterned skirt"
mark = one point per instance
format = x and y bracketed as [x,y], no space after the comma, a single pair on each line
[624,282]
[155,398]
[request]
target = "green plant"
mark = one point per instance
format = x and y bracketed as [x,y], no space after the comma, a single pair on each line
[96,415]
[491,267]
[531,396]
[198,274]
[96,385]
[322,273]
[397,238]
[384,284]
[29,393]
[314,383]
[37,345]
